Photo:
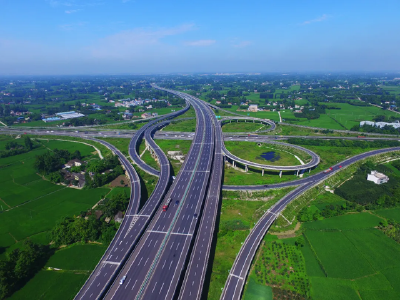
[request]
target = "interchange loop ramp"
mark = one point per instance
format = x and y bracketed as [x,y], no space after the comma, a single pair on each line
[238,274]
[315,159]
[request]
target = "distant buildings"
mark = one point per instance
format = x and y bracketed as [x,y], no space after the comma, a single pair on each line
[63,116]
[377,178]
[380,124]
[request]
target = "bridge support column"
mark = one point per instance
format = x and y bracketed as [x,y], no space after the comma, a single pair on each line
[297,173]
[309,170]
[253,121]
[246,168]
[262,174]
[233,163]
[280,174]
[230,121]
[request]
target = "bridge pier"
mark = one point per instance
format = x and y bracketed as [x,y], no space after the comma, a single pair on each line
[280,174]
[262,174]
[309,170]
[246,168]
[233,163]
[297,173]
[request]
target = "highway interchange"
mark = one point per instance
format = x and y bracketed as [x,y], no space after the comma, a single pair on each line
[164,253]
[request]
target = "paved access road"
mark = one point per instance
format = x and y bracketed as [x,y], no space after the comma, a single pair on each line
[237,277]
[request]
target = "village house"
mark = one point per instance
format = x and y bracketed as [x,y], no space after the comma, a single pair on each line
[377,178]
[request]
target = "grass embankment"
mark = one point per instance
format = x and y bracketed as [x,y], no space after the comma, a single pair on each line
[243,126]
[252,151]
[182,126]
[239,212]
[174,145]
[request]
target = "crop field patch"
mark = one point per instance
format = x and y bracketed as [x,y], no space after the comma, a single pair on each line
[313,267]
[338,256]
[42,214]
[379,295]
[390,214]
[332,289]
[345,222]
[381,251]
[374,282]
[77,257]
[51,285]
[393,275]
[281,266]
[256,291]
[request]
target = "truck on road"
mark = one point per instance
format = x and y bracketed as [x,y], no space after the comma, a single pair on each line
[166,204]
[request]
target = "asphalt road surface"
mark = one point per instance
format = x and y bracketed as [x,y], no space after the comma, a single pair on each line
[134,222]
[156,265]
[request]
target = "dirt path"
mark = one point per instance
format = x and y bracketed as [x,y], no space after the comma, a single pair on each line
[95,148]
[287,234]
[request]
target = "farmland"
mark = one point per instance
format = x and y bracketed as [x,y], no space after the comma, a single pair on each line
[237,216]
[342,257]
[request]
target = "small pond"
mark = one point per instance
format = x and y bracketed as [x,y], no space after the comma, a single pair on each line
[270,156]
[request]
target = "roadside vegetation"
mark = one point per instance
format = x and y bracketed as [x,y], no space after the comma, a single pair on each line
[39,218]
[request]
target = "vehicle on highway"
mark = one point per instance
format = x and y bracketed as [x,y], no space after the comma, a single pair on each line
[122,280]
[252,135]
[173,177]
[361,136]
[166,205]
[77,131]
[328,170]
[340,166]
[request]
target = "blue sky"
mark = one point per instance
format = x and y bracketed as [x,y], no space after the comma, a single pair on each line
[137,36]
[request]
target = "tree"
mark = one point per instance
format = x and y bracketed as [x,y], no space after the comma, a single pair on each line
[122,182]
[300,242]
[28,143]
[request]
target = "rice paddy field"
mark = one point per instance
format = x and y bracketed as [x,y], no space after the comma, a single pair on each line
[31,206]
[343,257]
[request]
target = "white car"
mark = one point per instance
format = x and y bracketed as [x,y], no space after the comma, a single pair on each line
[122,280]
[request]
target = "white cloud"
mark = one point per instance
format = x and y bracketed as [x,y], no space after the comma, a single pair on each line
[322,18]
[136,42]
[69,27]
[200,43]
[72,11]
[242,44]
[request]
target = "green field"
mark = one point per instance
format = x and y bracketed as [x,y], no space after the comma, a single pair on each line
[182,126]
[251,151]
[30,205]
[356,257]
[174,145]
[243,127]
[55,285]
[77,257]
[390,213]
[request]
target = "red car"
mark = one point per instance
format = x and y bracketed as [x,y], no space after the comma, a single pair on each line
[340,166]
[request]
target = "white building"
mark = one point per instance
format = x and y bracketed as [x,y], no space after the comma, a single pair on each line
[253,107]
[377,178]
